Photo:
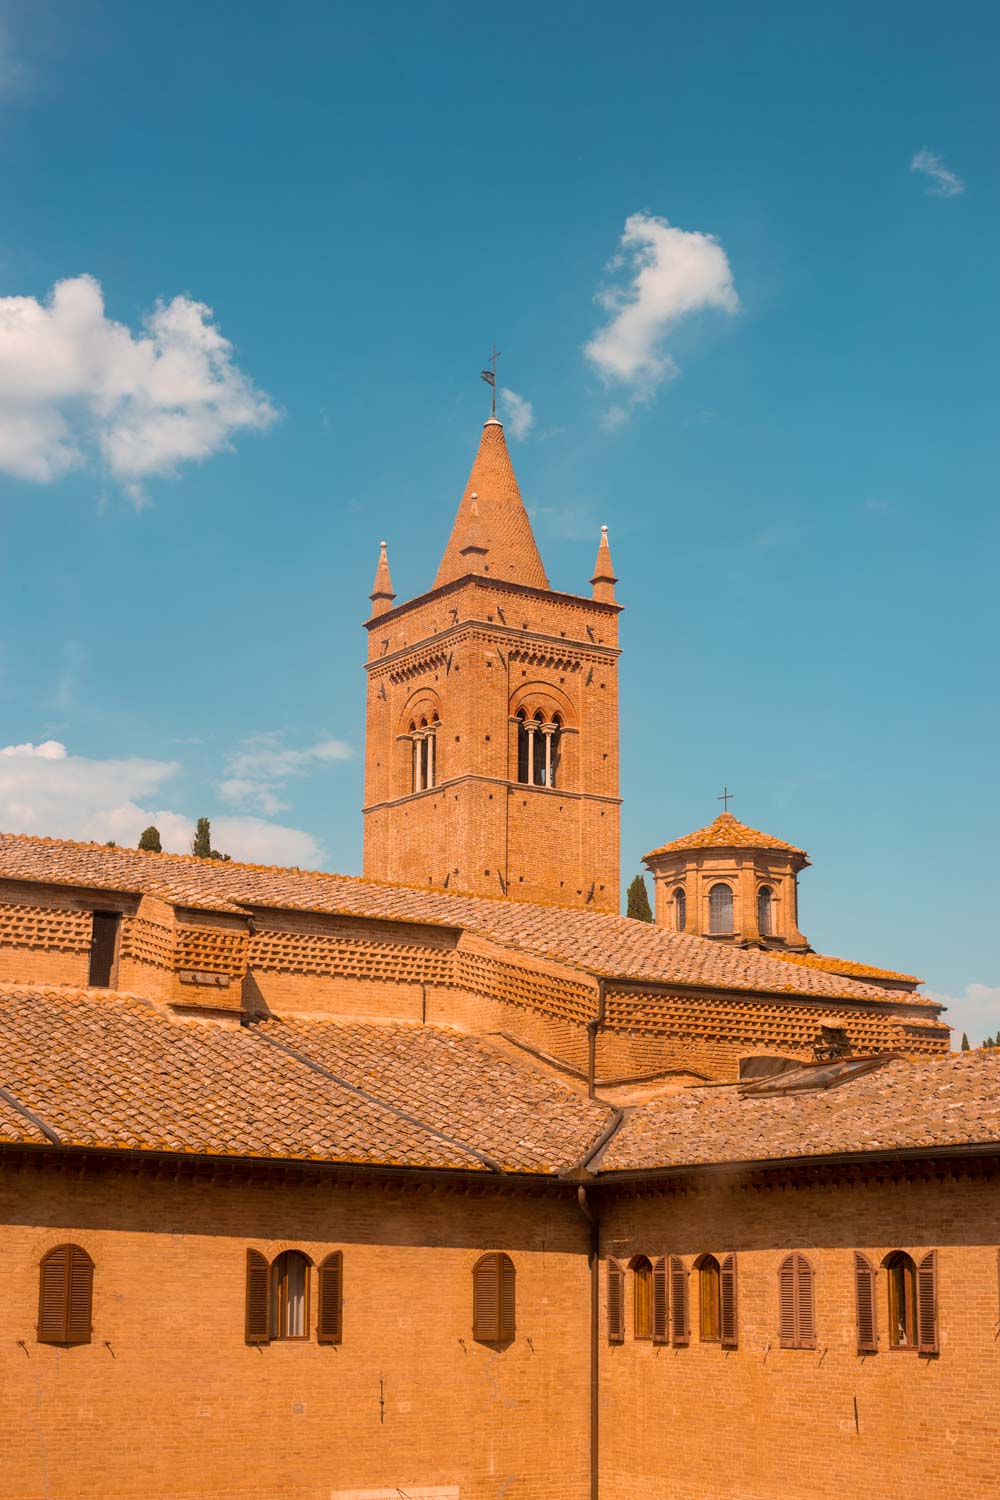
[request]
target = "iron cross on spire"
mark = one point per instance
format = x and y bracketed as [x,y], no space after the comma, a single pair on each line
[726,798]
[490,376]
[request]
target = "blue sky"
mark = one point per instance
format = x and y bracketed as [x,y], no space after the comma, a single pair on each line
[784,406]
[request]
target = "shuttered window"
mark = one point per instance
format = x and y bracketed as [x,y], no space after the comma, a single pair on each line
[642,1299]
[796,1303]
[927,1299]
[901,1285]
[616,1303]
[727,1303]
[330,1320]
[864,1301]
[679,1301]
[709,1297]
[65,1296]
[661,1321]
[290,1296]
[493,1298]
[258,1321]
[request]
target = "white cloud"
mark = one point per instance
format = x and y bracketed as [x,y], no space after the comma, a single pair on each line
[668,273]
[519,413]
[976,1011]
[943,182]
[263,766]
[44,789]
[75,385]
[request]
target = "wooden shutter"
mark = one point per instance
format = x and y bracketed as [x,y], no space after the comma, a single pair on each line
[927,1316]
[679,1301]
[329,1321]
[486,1299]
[258,1328]
[786,1303]
[616,1303]
[864,1298]
[507,1299]
[65,1296]
[805,1307]
[79,1296]
[727,1303]
[660,1319]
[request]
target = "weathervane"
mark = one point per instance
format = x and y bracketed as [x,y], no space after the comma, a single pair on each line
[490,376]
[726,798]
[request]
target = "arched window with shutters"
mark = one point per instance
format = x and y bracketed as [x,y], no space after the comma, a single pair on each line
[912,1301]
[65,1296]
[642,1298]
[290,1296]
[709,1299]
[680,909]
[764,910]
[720,909]
[493,1298]
[796,1303]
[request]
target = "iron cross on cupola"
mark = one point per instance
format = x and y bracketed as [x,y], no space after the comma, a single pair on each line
[725,798]
[490,376]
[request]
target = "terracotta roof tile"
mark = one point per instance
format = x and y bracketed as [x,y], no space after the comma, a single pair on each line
[113,1072]
[844,966]
[599,943]
[949,1100]
[725,832]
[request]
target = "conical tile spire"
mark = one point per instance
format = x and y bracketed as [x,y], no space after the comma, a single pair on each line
[604,579]
[502,541]
[382,594]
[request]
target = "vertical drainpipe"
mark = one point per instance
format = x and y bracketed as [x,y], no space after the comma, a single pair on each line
[594,1260]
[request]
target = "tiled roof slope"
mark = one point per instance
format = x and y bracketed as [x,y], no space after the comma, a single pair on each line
[502,524]
[725,832]
[844,966]
[951,1100]
[113,1073]
[526,1119]
[600,943]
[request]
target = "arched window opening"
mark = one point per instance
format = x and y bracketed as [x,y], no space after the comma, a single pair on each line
[796,1305]
[709,1299]
[902,1278]
[424,740]
[720,909]
[680,909]
[764,896]
[522,747]
[493,1298]
[290,1296]
[65,1296]
[642,1298]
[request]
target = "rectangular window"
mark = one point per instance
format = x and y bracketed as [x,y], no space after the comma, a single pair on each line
[104,948]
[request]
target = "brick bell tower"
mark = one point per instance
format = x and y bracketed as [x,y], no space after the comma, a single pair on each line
[491,761]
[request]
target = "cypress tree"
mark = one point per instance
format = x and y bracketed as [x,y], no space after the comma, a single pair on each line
[638,901]
[965,1043]
[149,839]
[201,844]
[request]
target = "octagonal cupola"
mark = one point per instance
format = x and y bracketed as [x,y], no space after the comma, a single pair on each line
[730,883]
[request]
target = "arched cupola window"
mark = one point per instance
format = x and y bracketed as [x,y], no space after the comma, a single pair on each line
[720,909]
[765,911]
[680,909]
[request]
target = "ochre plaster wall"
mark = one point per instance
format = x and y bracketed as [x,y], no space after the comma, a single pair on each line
[765,1423]
[169,1401]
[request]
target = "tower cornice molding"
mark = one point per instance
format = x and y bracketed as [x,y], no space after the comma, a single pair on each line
[429,648]
[500,585]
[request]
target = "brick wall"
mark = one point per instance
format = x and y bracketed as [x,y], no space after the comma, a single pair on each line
[765,1423]
[169,1401]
